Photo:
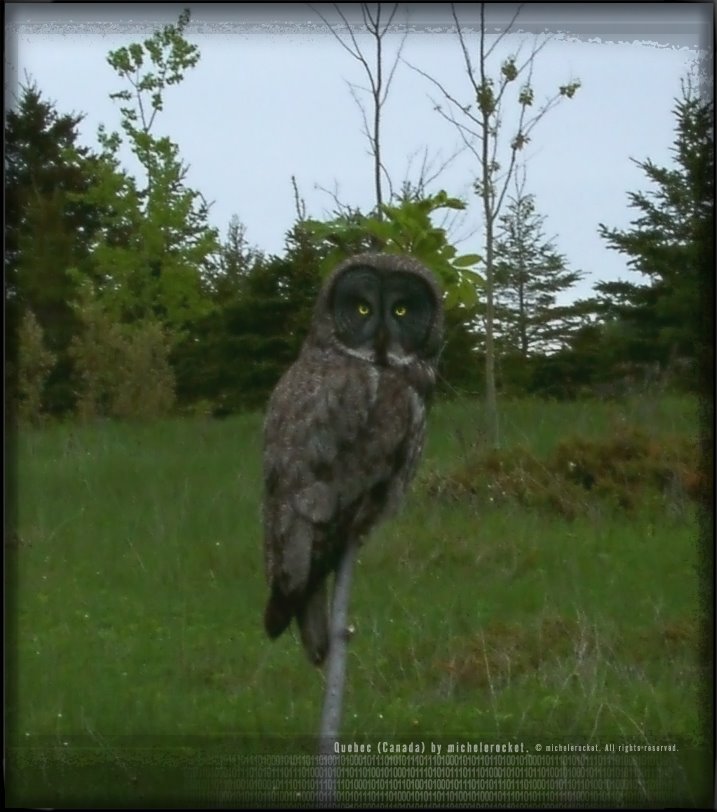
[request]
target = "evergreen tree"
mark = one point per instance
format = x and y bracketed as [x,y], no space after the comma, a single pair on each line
[234,356]
[671,242]
[235,260]
[48,230]
[530,274]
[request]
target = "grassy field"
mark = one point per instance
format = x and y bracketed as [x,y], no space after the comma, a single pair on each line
[137,591]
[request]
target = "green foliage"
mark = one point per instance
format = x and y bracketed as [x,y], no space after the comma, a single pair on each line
[459,367]
[233,357]
[570,89]
[485,95]
[145,386]
[94,352]
[170,54]
[671,242]
[123,369]
[81,229]
[571,372]
[509,70]
[156,250]
[48,228]
[34,363]
[406,227]
[236,258]
[526,96]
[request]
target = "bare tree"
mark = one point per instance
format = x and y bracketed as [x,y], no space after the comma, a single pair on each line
[377,22]
[479,123]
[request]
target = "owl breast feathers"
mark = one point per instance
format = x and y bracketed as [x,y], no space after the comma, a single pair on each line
[344,430]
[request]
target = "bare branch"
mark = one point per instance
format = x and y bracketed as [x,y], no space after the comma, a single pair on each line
[355,52]
[390,19]
[519,70]
[465,109]
[494,135]
[299,202]
[368,21]
[549,105]
[523,129]
[424,178]
[483,57]
[530,61]
[393,68]
[375,73]
[388,179]
[505,31]
[338,203]
[463,130]
[464,48]
[333,31]
[365,128]
[335,675]
[515,146]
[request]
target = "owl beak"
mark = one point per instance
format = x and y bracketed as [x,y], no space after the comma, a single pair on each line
[381,345]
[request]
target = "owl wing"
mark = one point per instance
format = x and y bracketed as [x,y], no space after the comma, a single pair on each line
[320,458]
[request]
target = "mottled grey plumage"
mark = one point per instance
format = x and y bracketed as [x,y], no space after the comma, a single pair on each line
[344,430]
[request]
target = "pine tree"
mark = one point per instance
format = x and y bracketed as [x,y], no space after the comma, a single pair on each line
[234,356]
[529,276]
[48,230]
[235,259]
[671,242]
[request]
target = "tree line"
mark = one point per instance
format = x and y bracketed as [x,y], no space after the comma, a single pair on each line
[123,301]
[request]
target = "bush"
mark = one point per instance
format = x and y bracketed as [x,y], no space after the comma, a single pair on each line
[620,472]
[123,369]
[145,385]
[34,365]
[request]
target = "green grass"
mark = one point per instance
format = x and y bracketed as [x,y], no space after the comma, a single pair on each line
[139,589]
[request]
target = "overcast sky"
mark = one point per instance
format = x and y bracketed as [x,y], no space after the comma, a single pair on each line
[269,100]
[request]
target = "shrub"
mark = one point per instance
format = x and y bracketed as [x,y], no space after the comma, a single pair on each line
[123,370]
[621,471]
[34,365]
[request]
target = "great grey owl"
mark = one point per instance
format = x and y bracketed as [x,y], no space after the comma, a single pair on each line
[344,430]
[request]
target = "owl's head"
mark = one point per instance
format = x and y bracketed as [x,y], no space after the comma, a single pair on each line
[383,308]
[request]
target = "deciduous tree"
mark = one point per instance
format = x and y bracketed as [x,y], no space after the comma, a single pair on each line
[156,253]
[478,114]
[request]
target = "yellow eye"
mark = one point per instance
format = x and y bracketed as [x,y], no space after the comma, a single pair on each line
[364,309]
[400,310]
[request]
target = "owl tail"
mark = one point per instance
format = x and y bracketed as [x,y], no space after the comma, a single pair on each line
[278,613]
[311,618]
[313,622]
